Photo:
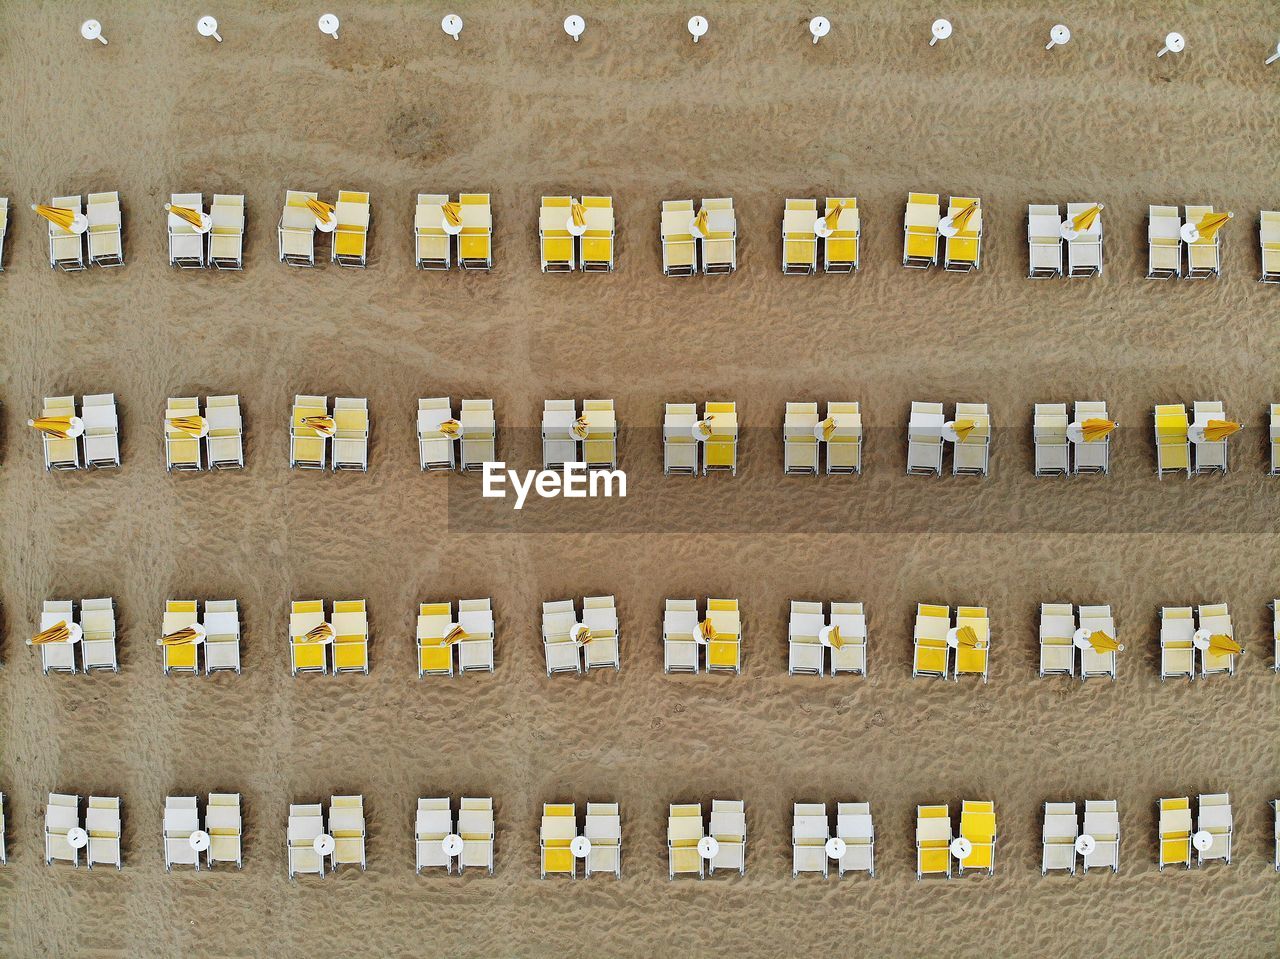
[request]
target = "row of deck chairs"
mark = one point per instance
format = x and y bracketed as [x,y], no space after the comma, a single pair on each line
[598,846]
[84,435]
[968,432]
[697,847]
[186,632]
[101,239]
[589,437]
[218,836]
[814,847]
[445,231]
[804,436]
[309,845]
[1211,838]
[216,241]
[580,642]
[338,438]
[1070,644]
[93,631]
[576,234]
[708,443]
[196,439]
[1205,633]
[440,841]
[939,852]
[712,642]
[66,833]
[942,648]
[705,241]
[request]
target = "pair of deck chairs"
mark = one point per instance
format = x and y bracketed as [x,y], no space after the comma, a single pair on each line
[87,437]
[1198,445]
[1210,635]
[339,644]
[804,436]
[837,230]
[598,846]
[98,834]
[185,632]
[1065,845]
[1047,233]
[465,442]
[219,837]
[1070,643]
[569,437]
[708,238]
[576,643]
[196,440]
[973,850]
[440,633]
[94,632]
[1168,233]
[576,234]
[340,438]
[812,846]
[693,849]
[961,229]
[816,642]
[1211,838]
[440,841]
[218,240]
[708,443]
[439,223]
[1070,447]
[347,221]
[969,434]
[939,648]
[308,845]
[100,234]
[713,643]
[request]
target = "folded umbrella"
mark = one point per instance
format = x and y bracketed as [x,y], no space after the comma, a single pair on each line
[322,210]
[182,637]
[962,218]
[455,635]
[834,639]
[452,213]
[1084,219]
[963,428]
[833,218]
[186,213]
[1096,428]
[828,428]
[324,425]
[704,425]
[193,426]
[1102,643]
[1220,429]
[59,632]
[700,223]
[581,427]
[57,215]
[579,214]
[1210,224]
[1221,644]
[319,635]
[967,637]
[57,427]
[707,631]
[451,429]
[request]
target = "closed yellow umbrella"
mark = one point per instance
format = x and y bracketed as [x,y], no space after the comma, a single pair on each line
[707,631]
[57,427]
[59,632]
[704,425]
[828,428]
[1096,428]
[452,213]
[581,427]
[833,218]
[1211,223]
[182,637]
[1102,643]
[186,213]
[1085,218]
[455,635]
[700,222]
[57,215]
[833,638]
[578,213]
[322,210]
[451,428]
[320,634]
[961,219]
[967,637]
[324,425]
[194,426]
[1220,429]
[1221,644]
[963,428]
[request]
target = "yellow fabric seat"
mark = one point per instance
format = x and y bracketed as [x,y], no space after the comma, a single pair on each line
[931,656]
[308,656]
[722,654]
[184,450]
[348,243]
[350,652]
[180,657]
[963,247]
[435,658]
[935,857]
[923,245]
[597,248]
[842,249]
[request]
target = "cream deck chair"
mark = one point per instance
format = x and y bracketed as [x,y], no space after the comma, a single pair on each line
[1216,621]
[66,249]
[724,651]
[555,242]
[810,831]
[98,645]
[4,231]
[351,433]
[842,249]
[1094,457]
[973,661]
[851,655]
[297,229]
[1173,447]
[182,451]
[106,248]
[596,245]
[346,825]
[603,829]
[1275,439]
[1164,243]
[559,827]
[844,447]
[1084,252]
[679,245]
[1057,649]
[964,250]
[720,451]
[1269,239]
[433,822]
[1044,241]
[350,245]
[971,455]
[1175,832]
[559,443]
[57,657]
[350,636]
[1204,256]
[475,242]
[181,819]
[479,434]
[475,651]
[978,825]
[222,636]
[600,615]
[4,827]
[102,823]
[307,657]
[226,238]
[306,824]
[435,449]
[224,446]
[184,658]
[432,247]
[679,448]
[920,231]
[600,446]
[1275,809]
[924,440]
[933,841]
[61,815]
[799,241]
[435,658]
[1213,815]
[1208,456]
[475,826]
[799,441]
[684,832]
[308,447]
[1097,619]
[679,632]
[186,243]
[223,823]
[1177,651]
[855,827]
[720,245]
[729,827]
[1102,822]
[60,454]
[101,431]
[805,654]
[562,651]
[931,655]
[1061,828]
[1049,433]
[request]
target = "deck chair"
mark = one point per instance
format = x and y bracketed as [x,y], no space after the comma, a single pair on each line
[226,237]
[222,821]
[479,434]
[1096,619]
[1057,649]
[475,826]
[799,441]
[720,451]
[933,841]
[346,825]
[978,825]
[297,229]
[810,831]
[971,456]
[182,450]
[1049,434]
[603,829]
[1213,815]
[931,654]
[924,440]
[1095,456]
[102,823]
[684,832]
[106,248]
[559,442]
[1164,243]
[61,815]
[920,231]
[559,254]
[805,654]
[1044,241]
[972,661]
[1208,456]
[1204,256]
[4,828]
[66,249]
[308,447]
[307,657]
[679,245]
[1173,447]
[475,242]
[1216,620]
[351,433]
[433,822]
[186,243]
[1269,238]
[181,819]
[855,827]
[799,241]
[729,827]
[350,636]
[306,824]
[184,658]
[98,645]
[842,249]
[720,245]
[350,244]
[1102,822]
[1274,429]
[851,655]
[1177,652]
[435,657]
[475,651]
[600,615]
[101,431]
[679,448]
[4,231]
[224,445]
[679,631]
[596,244]
[1084,252]
[432,247]
[57,657]
[435,449]
[222,636]
[1175,832]
[724,651]
[562,651]
[559,827]
[600,447]
[844,445]
[59,453]
[964,250]
[1061,827]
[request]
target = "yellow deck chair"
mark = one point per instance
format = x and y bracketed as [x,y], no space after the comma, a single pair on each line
[1164,243]
[1173,447]
[964,250]
[308,448]
[844,448]
[724,653]
[920,231]
[434,659]
[720,451]
[684,832]
[60,454]
[679,245]
[597,243]
[559,826]
[350,636]
[1204,256]
[351,238]
[933,841]
[306,615]
[556,241]
[1175,832]
[432,246]
[931,654]
[972,660]
[799,241]
[475,242]
[978,825]
[842,248]
[181,449]
[179,614]
[347,826]
[600,448]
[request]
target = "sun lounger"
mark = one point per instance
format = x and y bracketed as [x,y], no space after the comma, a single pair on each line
[932,654]
[4,232]
[924,440]
[1269,239]
[435,656]
[679,448]
[684,832]
[1275,439]
[346,825]
[1044,240]
[1090,456]
[102,823]
[101,431]
[970,455]
[1164,243]
[1049,434]
[720,450]
[180,614]
[226,237]
[855,827]
[920,231]
[222,636]
[805,654]
[181,820]
[600,615]
[1175,832]
[98,645]
[799,241]
[479,434]
[61,816]
[1204,256]
[841,251]
[222,821]
[350,245]
[1177,652]
[810,830]
[308,444]
[475,651]
[432,246]
[562,651]
[559,827]
[475,242]
[1061,827]
[1097,619]
[964,250]
[475,826]
[799,441]
[720,244]
[432,824]
[596,244]
[306,825]
[724,648]
[559,252]
[1057,651]
[729,829]
[351,433]
[60,453]
[186,243]
[1213,816]
[106,248]
[57,657]
[978,825]
[679,244]
[1173,448]
[600,445]
[603,829]
[1084,250]
[679,632]
[973,660]
[1102,824]
[435,448]
[850,656]
[933,841]
[559,442]
[844,444]
[224,446]
[1215,620]
[4,828]
[66,249]
[297,230]
[350,636]
[182,447]
[1208,456]
[307,656]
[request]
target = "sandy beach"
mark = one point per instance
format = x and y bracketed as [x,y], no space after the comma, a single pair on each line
[636,111]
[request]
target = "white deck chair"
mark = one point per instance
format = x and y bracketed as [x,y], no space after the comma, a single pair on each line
[306,824]
[1204,256]
[4,231]
[106,247]
[679,244]
[224,446]
[603,829]
[347,826]
[98,645]
[1275,439]
[433,822]
[810,831]
[844,447]
[61,815]
[600,446]
[1177,652]
[475,653]
[1213,816]
[1061,827]
[1092,457]
[101,431]
[851,656]
[1216,620]
[1275,810]
[308,447]
[475,826]
[1164,243]
[1269,239]
[720,245]
[1102,822]
[684,832]
[600,615]
[479,434]
[729,827]
[186,243]
[57,657]
[181,819]
[66,249]
[679,628]
[222,636]
[431,244]
[350,243]
[562,651]
[799,241]
[102,823]
[559,444]
[924,440]
[351,436]
[226,237]
[1084,251]
[435,449]
[182,451]
[799,441]
[679,448]
[4,828]
[1208,456]
[971,455]
[805,654]
[1057,629]
[1096,619]
[1044,240]
[297,229]
[855,826]
[1049,434]
[222,821]
[60,453]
